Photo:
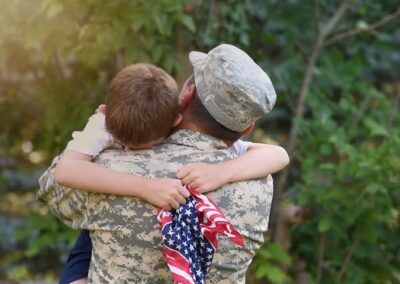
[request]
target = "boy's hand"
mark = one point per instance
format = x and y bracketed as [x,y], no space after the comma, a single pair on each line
[166,193]
[203,177]
[102,108]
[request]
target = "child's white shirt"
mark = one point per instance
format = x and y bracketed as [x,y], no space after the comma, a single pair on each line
[94,138]
[239,147]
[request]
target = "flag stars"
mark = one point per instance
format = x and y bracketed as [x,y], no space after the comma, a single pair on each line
[192,234]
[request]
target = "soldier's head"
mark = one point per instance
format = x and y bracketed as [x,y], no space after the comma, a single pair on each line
[227,93]
[142,105]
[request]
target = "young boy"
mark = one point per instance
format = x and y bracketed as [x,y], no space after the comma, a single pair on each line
[142,106]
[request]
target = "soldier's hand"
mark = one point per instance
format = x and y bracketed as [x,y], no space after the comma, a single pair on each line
[166,193]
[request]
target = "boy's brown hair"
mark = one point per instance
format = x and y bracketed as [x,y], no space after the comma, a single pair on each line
[141,104]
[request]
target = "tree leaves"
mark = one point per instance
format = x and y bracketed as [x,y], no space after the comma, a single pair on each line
[267,263]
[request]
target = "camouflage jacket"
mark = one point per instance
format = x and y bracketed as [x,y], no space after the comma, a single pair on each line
[126,236]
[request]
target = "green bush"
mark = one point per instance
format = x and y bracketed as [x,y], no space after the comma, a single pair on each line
[58,57]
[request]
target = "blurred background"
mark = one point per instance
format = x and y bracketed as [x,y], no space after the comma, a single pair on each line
[335,65]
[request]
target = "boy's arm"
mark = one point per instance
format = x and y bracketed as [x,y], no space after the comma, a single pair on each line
[75,170]
[258,161]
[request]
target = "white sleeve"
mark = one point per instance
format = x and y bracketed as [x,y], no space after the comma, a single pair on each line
[93,139]
[239,147]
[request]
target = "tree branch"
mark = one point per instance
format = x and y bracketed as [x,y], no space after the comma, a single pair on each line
[312,61]
[347,258]
[370,28]
[311,67]
[335,18]
[301,49]
[321,253]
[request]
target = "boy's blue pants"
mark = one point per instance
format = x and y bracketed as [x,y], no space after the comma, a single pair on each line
[78,262]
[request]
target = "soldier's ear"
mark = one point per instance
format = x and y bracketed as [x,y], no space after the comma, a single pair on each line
[248,130]
[186,96]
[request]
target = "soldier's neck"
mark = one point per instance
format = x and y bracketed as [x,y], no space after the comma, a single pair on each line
[193,127]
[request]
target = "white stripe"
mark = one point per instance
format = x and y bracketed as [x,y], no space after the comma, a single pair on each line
[180,272]
[220,220]
[212,215]
[205,199]
[209,227]
[203,207]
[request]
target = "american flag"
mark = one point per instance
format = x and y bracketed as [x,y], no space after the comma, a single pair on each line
[190,237]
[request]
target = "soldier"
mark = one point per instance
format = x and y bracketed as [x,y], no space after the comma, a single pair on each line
[220,103]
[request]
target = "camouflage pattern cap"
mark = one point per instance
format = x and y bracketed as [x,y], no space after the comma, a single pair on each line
[232,87]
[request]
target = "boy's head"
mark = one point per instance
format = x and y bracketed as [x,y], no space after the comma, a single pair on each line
[142,104]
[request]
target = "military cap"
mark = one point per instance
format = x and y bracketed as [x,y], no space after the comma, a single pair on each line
[231,86]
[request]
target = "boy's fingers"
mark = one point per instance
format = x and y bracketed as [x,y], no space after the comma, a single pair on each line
[184,192]
[166,207]
[181,173]
[102,108]
[187,180]
[195,183]
[201,189]
[174,204]
[180,199]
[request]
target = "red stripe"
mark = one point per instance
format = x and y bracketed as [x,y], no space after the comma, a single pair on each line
[212,212]
[177,260]
[212,222]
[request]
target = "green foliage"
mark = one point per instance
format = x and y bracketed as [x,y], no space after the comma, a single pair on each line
[45,232]
[57,58]
[220,22]
[344,175]
[268,262]
[63,54]
[352,185]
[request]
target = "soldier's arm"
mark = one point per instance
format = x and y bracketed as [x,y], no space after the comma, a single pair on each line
[67,204]
[258,161]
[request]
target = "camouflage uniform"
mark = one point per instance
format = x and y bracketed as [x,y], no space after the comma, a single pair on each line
[125,233]
[126,236]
